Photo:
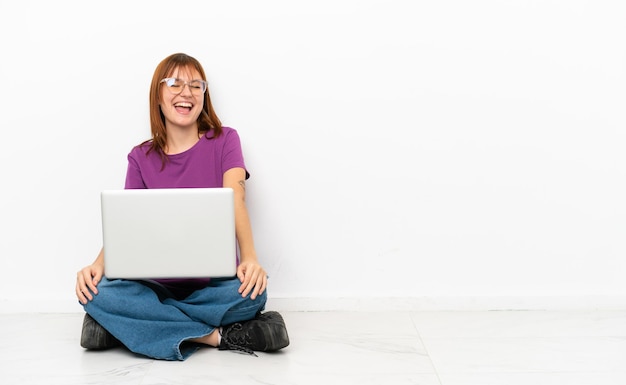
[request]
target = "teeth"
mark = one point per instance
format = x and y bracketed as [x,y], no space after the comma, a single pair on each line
[183,104]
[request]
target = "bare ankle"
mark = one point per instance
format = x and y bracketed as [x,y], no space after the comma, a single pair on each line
[210,339]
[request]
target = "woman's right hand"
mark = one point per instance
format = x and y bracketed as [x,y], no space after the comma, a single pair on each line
[88,278]
[86,281]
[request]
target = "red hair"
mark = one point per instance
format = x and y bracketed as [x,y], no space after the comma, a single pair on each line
[207,121]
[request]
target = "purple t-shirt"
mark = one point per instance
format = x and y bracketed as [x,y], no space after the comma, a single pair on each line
[203,165]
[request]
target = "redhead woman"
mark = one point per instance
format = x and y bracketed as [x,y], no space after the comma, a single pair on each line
[170,319]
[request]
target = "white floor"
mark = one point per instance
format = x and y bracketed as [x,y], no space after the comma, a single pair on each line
[444,348]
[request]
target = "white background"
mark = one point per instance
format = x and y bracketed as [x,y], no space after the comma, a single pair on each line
[418,151]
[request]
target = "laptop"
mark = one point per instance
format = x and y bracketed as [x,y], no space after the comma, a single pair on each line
[169,233]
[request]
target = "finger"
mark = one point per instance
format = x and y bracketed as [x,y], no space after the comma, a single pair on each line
[80,287]
[255,292]
[96,280]
[252,281]
[257,287]
[263,284]
[80,295]
[241,274]
[246,287]
[81,291]
[86,285]
[91,281]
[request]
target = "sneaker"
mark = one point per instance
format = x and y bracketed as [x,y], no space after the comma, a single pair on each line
[265,333]
[95,337]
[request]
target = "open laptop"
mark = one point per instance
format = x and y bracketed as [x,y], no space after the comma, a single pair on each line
[169,233]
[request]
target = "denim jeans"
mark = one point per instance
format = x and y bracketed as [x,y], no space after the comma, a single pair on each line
[151,321]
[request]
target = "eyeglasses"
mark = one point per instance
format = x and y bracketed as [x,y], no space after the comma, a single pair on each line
[176,86]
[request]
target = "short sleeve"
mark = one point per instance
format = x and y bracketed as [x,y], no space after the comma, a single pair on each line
[232,156]
[133,173]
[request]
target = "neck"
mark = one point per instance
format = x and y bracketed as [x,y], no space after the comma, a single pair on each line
[180,140]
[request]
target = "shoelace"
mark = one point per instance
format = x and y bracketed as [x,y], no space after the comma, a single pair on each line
[238,340]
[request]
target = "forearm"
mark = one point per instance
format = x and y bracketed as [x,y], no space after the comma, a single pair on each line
[243,229]
[235,179]
[100,258]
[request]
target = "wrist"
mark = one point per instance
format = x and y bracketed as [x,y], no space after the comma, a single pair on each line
[248,258]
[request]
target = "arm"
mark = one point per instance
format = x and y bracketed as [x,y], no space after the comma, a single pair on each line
[90,276]
[252,276]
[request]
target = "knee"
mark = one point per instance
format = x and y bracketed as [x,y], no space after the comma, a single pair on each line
[245,309]
[102,289]
[109,292]
[258,301]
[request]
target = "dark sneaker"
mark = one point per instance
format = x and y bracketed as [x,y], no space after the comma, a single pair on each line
[95,337]
[265,333]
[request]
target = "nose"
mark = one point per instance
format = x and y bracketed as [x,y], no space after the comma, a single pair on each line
[186,89]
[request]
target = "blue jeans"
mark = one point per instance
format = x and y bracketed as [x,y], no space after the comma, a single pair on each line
[149,320]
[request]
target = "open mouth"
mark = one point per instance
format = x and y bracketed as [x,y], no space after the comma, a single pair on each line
[183,107]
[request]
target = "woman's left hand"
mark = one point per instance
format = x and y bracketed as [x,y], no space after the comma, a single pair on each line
[253,279]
